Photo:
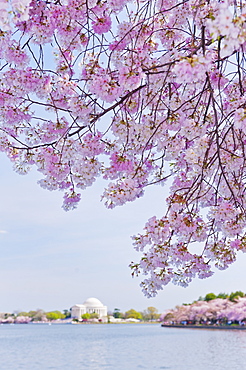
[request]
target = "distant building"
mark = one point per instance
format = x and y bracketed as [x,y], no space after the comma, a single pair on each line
[91,305]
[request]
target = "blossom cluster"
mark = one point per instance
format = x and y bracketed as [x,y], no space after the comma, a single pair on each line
[138,93]
[216,310]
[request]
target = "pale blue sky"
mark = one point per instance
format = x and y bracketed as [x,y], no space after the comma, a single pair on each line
[53,259]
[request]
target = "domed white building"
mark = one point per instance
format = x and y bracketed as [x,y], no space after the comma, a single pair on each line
[91,305]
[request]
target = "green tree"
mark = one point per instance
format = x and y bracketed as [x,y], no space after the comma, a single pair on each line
[133,314]
[233,296]
[117,314]
[54,315]
[86,316]
[67,313]
[94,315]
[222,295]
[210,297]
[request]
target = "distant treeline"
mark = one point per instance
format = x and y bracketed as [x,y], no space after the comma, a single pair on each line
[37,315]
[150,314]
[232,297]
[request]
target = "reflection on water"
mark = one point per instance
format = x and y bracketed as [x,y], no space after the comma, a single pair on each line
[119,347]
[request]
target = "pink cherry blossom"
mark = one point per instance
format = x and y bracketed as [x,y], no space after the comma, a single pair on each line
[216,311]
[102,25]
[138,93]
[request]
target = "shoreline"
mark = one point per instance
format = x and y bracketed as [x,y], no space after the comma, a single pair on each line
[209,327]
[79,323]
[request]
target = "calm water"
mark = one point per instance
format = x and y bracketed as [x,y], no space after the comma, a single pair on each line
[119,347]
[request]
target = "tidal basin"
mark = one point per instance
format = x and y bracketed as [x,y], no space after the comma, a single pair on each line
[119,347]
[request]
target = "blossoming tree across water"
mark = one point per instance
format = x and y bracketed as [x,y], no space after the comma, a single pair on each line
[138,92]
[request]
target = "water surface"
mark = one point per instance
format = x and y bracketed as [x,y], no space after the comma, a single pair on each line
[119,347]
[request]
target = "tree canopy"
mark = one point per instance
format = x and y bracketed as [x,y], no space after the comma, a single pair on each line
[216,309]
[117,314]
[133,314]
[210,297]
[55,315]
[150,314]
[137,92]
[233,296]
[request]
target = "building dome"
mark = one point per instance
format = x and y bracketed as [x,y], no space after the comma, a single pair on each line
[93,302]
[91,306]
